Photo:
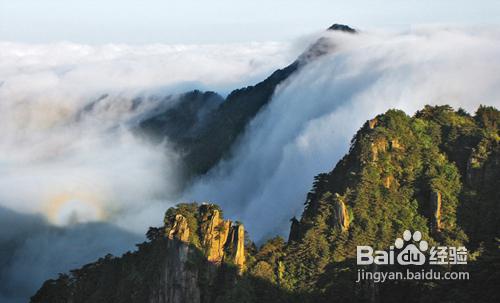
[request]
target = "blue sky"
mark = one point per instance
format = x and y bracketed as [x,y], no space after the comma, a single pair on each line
[216,21]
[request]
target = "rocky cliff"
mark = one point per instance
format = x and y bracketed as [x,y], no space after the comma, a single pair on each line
[435,172]
[183,262]
[444,172]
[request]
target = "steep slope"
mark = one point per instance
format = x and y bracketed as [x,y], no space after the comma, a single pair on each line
[214,136]
[187,260]
[436,172]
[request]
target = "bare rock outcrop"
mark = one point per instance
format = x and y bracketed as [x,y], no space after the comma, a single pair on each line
[180,229]
[341,215]
[388,181]
[394,144]
[436,200]
[372,123]
[214,233]
[222,240]
[378,146]
[236,245]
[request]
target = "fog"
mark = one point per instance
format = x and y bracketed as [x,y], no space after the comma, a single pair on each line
[313,116]
[76,183]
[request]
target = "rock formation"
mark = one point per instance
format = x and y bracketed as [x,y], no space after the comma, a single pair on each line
[340,213]
[436,210]
[372,123]
[378,146]
[236,245]
[221,239]
[214,233]
[317,263]
[180,229]
[388,180]
[181,264]
[394,144]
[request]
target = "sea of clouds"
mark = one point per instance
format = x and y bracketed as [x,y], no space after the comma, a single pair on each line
[76,184]
[313,116]
[75,181]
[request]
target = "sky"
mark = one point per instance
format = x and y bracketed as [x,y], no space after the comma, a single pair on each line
[218,21]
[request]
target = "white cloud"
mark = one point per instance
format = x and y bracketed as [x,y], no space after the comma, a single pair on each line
[62,163]
[99,170]
[48,153]
[308,125]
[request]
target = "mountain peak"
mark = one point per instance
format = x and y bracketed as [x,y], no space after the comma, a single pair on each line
[342,27]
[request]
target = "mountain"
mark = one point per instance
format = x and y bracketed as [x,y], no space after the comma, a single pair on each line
[186,260]
[437,172]
[204,126]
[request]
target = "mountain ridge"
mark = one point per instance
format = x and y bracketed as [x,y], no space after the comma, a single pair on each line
[388,182]
[227,121]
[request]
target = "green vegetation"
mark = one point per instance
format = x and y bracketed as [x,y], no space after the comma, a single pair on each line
[437,172]
[395,165]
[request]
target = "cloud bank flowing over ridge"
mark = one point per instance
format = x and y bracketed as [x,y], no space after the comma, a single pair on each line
[68,157]
[66,108]
[308,125]
[71,162]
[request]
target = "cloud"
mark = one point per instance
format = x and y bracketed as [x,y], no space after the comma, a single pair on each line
[59,70]
[309,123]
[69,159]
[35,250]
[61,153]
[67,154]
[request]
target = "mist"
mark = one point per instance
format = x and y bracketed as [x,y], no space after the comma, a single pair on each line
[76,182]
[73,175]
[308,125]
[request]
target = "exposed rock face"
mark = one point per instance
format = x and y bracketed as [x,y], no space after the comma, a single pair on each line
[394,144]
[178,283]
[181,264]
[388,180]
[220,238]
[157,273]
[236,245]
[317,267]
[436,210]
[180,229]
[341,214]
[372,123]
[378,146]
[214,233]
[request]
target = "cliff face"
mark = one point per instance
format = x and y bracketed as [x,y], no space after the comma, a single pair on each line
[183,262]
[220,240]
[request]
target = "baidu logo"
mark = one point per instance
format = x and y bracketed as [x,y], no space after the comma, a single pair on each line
[409,250]
[411,255]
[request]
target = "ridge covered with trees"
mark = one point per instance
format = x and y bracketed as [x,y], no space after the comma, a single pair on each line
[437,172]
